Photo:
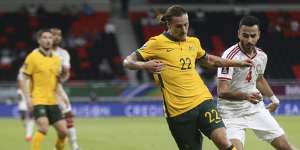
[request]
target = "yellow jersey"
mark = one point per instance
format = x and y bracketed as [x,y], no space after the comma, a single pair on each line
[44,71]
[181,86]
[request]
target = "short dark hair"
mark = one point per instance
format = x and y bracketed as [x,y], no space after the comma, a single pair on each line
[173,11]
[249,21]
[40,32]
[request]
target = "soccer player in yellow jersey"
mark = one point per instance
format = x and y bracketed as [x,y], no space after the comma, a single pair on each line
[41,68]
[171,56]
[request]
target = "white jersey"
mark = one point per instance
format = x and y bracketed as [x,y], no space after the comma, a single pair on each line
[22,105]
[61,93]
[64,56]
[243,79]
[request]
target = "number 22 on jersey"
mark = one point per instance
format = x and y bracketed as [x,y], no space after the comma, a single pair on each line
[185,63]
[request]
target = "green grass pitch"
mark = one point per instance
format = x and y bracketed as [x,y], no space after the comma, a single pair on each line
[128,134]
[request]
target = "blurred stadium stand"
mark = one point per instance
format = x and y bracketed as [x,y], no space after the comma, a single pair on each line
[97,36]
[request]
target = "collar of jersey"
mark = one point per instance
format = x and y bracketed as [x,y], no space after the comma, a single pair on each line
[44,53]
[170,37]
[246,53]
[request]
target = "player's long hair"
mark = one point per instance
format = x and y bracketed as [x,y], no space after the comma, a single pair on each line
[173,11]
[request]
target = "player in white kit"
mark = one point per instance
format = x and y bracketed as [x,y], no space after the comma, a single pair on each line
[62,96]
[25,115]
[240,92]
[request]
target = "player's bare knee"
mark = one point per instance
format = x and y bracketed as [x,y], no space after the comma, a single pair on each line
[69,119]
[62,132]
[219,138]
[43,129]
[224,144]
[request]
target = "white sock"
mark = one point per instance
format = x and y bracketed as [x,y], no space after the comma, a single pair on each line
[29,127]
[73,138]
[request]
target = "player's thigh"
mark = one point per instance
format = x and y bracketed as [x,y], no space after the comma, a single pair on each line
[61,128]
[41,118]
[265,126]
[209,118]
[185,132]
[39,111]
[54,114]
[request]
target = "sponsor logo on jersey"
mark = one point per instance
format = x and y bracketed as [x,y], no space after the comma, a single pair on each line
[225,70]
[169,50]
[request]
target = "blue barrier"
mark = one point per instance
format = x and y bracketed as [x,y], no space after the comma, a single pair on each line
[132,109]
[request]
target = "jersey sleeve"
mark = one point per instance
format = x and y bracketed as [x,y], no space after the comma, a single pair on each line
[200,51]
[225,73]
[66,61]
[263,66]
[28,67]
[148,50]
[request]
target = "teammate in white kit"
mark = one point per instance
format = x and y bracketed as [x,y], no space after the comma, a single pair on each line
[25,115]
[240,92]
[62,96]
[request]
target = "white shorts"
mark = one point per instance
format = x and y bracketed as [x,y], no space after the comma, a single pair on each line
[22,106]
[62,97]
[262,123]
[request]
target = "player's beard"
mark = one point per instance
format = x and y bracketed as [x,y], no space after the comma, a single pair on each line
[46,48]
[182,36]
[55,45]
[248,47]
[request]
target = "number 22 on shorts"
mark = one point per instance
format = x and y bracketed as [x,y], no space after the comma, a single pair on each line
[213,116]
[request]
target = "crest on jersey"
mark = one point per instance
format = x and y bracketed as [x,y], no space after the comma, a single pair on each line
[192,48]
[225,70]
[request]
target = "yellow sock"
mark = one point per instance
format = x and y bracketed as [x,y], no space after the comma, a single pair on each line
[37,140]
[60,143]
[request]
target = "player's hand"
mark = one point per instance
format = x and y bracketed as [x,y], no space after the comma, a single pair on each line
[272,107]
[245,63]
[154,65]
[254,98]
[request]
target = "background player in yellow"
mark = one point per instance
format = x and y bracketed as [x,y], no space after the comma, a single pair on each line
[171,56]
[42,69]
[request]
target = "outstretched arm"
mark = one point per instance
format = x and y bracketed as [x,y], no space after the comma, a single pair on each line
[132,62]
[216,61]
